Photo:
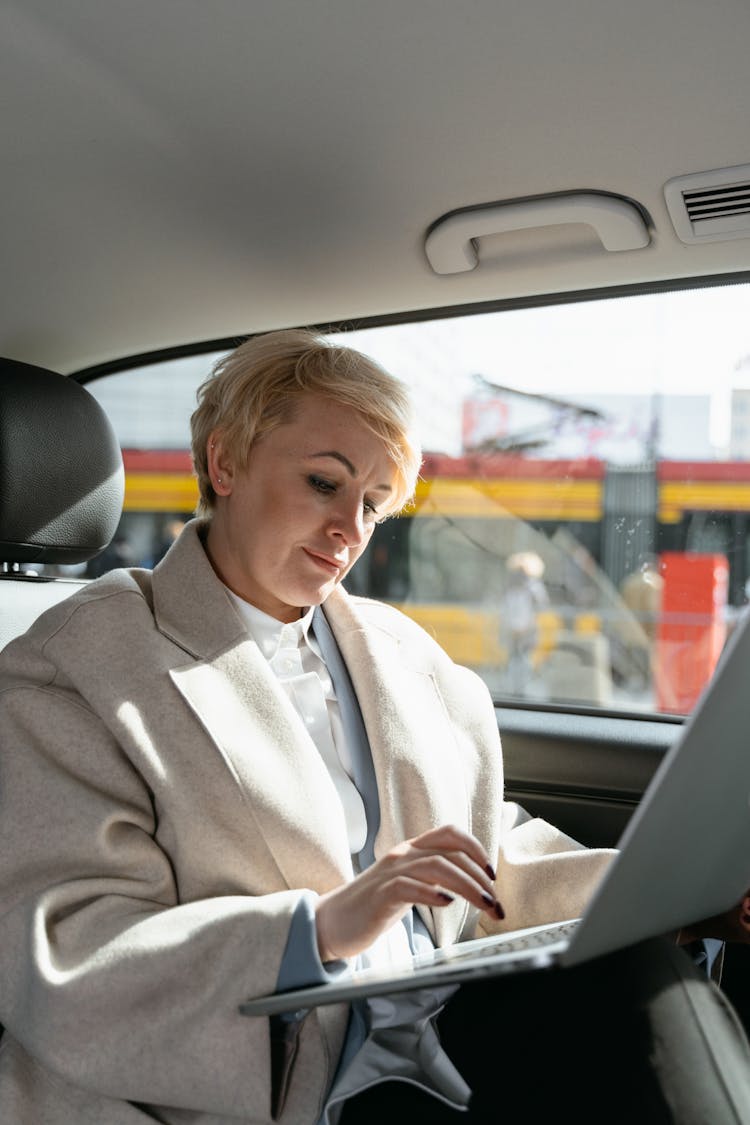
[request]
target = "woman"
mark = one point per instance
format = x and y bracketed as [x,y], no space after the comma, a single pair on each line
[227,776]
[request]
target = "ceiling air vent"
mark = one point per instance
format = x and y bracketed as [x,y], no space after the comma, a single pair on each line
[711,206]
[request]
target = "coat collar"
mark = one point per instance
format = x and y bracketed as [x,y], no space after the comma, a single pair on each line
[191,606]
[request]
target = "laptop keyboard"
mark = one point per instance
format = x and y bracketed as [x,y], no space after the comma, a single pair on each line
[538,938]
[515,943]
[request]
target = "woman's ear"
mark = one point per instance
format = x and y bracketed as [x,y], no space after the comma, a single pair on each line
[220,469]
[743,916]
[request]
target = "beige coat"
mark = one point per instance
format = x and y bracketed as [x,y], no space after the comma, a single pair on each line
[160,806]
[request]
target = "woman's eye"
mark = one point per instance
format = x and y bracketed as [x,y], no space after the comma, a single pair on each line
[321,485]
[329,488]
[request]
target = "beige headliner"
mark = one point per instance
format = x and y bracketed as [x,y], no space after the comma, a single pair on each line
[178,170]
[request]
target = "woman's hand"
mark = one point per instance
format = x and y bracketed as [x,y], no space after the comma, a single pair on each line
[428,870]
[734,925]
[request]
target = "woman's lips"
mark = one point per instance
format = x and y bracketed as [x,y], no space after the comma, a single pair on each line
[331,565]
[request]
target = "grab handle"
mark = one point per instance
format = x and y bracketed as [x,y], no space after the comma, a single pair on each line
[451,247]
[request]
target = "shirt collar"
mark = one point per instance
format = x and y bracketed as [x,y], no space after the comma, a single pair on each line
[267,632]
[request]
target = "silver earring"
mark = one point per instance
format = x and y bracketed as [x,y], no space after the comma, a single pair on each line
[218,480]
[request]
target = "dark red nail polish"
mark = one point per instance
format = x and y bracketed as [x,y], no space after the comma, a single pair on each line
[491,872]
[499,912]
[488,899]
[445,896]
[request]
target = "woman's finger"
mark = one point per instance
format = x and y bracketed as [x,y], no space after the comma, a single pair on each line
[431,869]
[449,873]
[456,839]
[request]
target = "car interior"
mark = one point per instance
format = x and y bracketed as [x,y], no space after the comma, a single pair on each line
[537,215]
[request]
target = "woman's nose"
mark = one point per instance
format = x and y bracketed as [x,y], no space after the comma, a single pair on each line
[349,523]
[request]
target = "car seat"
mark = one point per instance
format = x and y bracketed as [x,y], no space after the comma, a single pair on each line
[61,488]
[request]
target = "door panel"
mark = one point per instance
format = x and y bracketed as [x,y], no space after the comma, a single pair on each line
[583,773]
[586,774]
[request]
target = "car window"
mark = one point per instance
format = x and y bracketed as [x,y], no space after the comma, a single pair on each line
[580,529]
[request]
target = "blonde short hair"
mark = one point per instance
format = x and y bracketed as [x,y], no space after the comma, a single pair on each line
[256,388]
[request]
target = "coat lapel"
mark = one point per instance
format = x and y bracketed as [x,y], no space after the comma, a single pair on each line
[282,782]
[417,763]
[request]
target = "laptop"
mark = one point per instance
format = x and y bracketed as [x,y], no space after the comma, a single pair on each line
[684,856]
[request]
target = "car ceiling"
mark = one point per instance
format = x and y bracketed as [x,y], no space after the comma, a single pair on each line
[182,170]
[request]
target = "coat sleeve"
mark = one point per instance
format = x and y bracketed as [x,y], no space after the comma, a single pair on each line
[105,977]
[543,875]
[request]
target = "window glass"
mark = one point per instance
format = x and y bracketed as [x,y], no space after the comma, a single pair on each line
[580,530]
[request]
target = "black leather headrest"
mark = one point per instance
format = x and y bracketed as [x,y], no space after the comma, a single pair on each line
[61,475]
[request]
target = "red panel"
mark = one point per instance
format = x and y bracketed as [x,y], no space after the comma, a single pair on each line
[688,471]
[157,461]
[692,627]
[485,466]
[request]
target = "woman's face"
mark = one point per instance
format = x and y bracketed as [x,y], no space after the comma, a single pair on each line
[287,528]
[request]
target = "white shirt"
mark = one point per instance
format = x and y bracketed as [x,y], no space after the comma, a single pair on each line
[294,658]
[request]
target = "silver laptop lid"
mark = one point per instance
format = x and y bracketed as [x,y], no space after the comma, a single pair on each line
[685,854]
